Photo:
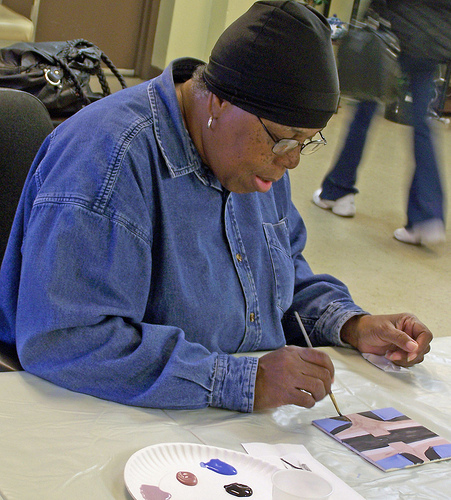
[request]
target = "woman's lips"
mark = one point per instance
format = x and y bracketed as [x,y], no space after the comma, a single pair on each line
[263,185]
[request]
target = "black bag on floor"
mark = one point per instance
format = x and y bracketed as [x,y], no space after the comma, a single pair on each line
[367,60]
[58,73]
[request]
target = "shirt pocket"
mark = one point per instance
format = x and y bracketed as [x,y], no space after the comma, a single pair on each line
[278,239]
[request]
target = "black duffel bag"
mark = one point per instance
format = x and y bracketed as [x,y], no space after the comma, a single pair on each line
[367,61]
[57,73]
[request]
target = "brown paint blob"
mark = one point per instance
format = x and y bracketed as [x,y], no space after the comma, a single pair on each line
[186,478]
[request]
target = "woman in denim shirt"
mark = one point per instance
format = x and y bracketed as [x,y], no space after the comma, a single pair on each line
[156,236]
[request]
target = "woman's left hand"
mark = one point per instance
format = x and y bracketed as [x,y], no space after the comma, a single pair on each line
[401,338]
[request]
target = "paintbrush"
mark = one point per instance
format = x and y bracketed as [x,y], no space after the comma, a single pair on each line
[309,344]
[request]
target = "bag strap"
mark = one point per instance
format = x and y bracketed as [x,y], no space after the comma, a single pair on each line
[97,70]
[79,92]
[114,70]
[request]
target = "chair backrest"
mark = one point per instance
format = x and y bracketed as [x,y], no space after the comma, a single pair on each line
[9,362]
[15,27]
[24,124]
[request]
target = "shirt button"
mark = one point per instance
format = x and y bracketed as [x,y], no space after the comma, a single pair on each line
[238,257]
[252,317]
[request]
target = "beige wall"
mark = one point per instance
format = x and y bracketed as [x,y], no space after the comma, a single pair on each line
[123,29]
[343,8]
[184,27]
[236,8]
[191,27]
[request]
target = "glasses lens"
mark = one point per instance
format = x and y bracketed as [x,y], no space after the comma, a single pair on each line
[311,147]
[284,146]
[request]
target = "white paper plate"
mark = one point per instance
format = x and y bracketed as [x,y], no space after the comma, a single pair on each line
[156,466]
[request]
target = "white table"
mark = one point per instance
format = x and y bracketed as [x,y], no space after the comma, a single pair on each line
[60,445]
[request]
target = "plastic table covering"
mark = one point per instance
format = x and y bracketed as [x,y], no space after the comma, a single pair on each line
[59,445]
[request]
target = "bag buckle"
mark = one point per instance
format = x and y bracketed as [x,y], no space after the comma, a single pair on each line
[53,76]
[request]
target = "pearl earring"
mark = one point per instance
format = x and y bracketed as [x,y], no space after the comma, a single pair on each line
[210,121]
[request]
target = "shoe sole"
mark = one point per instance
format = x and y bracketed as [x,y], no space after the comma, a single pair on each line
[324,204]
[419,240]
[348,215]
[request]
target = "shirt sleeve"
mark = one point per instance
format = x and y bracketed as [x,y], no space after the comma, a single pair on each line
[82,298]
[235,383]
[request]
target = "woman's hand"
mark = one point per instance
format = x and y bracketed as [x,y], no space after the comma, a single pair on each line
[401,338]
[292,375]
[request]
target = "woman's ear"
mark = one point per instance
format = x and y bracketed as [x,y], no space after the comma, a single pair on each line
[216,106]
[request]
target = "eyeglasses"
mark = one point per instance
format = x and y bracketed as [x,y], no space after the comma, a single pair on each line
[283,146]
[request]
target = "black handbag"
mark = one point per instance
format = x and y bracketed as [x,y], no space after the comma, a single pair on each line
[367,60]
[58,73]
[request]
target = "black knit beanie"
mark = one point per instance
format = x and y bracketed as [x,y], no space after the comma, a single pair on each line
[276,62]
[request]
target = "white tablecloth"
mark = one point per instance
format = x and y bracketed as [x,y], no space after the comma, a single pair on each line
[60,445]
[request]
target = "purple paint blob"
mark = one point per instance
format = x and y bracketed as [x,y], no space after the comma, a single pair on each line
[149,492]
[238,490]
[220,467]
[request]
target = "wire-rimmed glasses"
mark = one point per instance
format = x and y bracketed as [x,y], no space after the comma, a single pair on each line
[283,146]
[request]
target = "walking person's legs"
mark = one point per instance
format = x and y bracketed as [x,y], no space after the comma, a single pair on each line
[338,187]
[425,208]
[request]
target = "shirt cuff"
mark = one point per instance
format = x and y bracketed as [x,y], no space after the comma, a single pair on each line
[332,321]
[234,383]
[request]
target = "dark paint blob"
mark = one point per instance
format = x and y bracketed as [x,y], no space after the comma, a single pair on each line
[149,492]
[220,467]
[186,478]
[238,490]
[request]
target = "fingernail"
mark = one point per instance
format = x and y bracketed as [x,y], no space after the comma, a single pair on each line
[411,357]
[411,345]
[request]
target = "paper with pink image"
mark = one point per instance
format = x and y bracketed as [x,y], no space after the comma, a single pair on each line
[387,438]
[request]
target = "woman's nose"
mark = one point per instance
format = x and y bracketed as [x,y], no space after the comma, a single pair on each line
[289,160]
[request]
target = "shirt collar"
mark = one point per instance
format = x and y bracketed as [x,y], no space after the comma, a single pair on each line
[176,146]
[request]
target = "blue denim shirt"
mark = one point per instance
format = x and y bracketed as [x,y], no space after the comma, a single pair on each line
[131,274]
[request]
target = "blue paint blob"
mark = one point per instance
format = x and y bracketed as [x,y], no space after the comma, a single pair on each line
[443,450]
[220,467]
[387,413]
[394,462]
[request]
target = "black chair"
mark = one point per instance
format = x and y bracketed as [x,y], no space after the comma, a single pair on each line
[9,361]
[24,124]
